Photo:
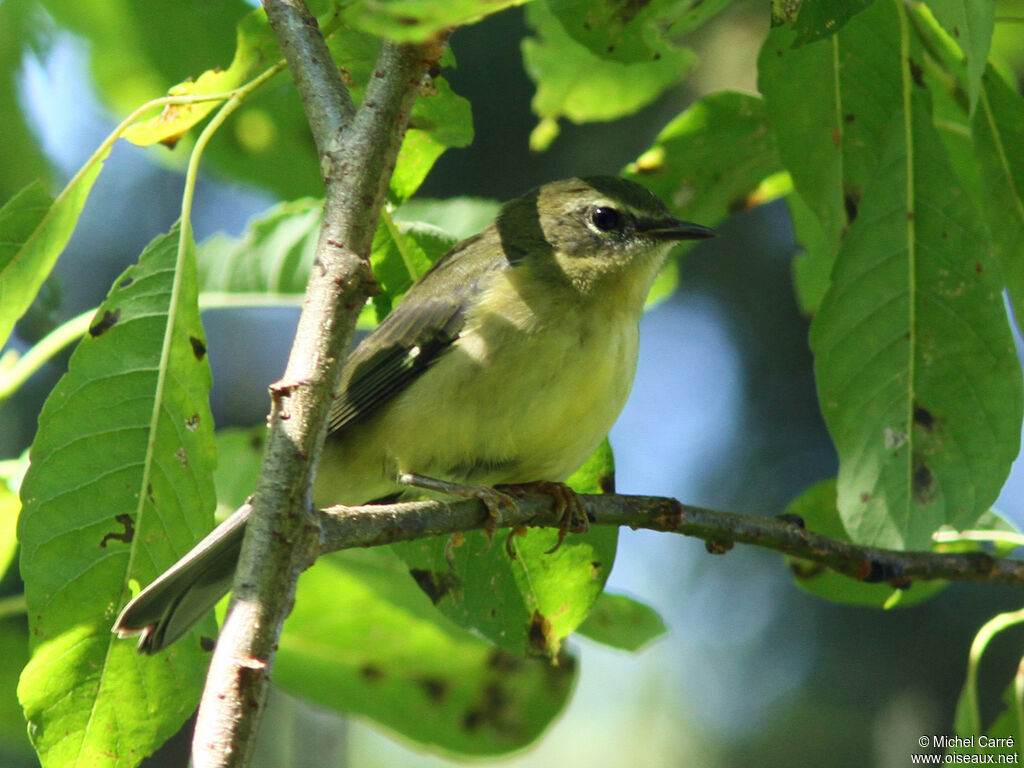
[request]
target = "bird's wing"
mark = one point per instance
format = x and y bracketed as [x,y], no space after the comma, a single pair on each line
[421,327]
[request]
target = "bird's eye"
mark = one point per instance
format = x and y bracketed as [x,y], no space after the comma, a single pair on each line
[606,219]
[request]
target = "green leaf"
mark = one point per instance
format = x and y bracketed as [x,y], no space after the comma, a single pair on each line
[418,20]
[10,507]
[255,50]
[118,488]
[631,32]
[440,120]
[21,156]
[461,217]
[998,129]
[401,255]
[816,506]
[364,639]
[273,255]
[803,107]
[529,604]
[970,23]
[917,374]
[573,82]
[239,455]
[622,622]
[967,720]
[33,232]
[812,266]
[14,651]
[818,19]
[709,161]
[132,59]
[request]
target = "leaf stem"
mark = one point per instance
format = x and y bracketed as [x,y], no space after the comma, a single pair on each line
[989,629]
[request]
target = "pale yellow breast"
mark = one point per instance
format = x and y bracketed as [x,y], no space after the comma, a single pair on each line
[515,400]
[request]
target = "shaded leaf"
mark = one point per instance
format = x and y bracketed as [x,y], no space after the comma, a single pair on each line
[622,622]
[383,651]
[273,255]
[118,488]
[14,651]
[970,23]
[710,160]
[812,265]
[818,19]
[816,506]
[998,129]
[401,255]
[803,107]
[460,217]
[628,31]
[917,375]
[573,82]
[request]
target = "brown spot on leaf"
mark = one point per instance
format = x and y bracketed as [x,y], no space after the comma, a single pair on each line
[924,418]
[851,202]
[105,323]
[434,687]
[865,497]
[916,73]
[606,482]
[435,585]
[198,348]
[538,635]
[923,483]
[503,661]
[206,644]
[371,672]
[125,536]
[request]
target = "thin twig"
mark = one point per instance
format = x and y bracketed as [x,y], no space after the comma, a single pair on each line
[357,151]
[348,527]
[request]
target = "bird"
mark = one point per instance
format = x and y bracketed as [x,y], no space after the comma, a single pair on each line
[506,363]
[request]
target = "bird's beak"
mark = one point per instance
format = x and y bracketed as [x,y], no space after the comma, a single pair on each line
[673,229]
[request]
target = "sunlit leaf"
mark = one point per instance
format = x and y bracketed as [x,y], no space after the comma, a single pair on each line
[33,232]
[118,488]
[256,49]
[418,20]
[529,604]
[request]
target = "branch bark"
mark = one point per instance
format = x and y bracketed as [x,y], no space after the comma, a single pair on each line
[347,527]
[357,151]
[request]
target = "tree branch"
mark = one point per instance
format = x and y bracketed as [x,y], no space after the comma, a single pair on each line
[347,527]
[357,151]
